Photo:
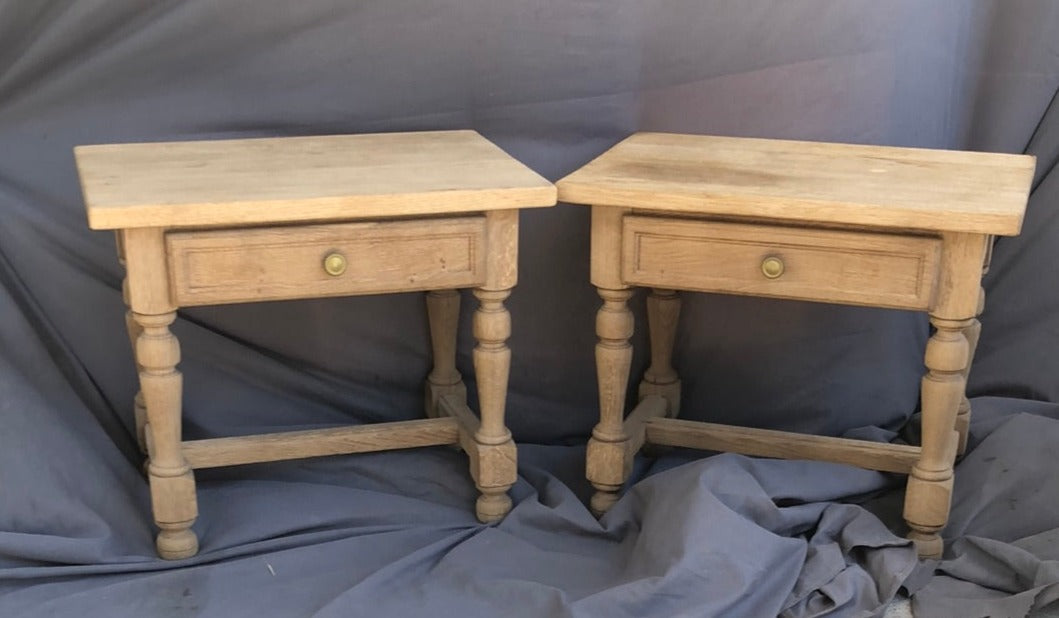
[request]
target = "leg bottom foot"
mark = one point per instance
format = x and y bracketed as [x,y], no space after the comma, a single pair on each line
[928,544]
[492,507]
[177,544]
[602,500]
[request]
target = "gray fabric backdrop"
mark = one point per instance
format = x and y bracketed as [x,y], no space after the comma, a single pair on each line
[554,84]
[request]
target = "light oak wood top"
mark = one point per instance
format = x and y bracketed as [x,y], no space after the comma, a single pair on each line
[320,178]
[875,186]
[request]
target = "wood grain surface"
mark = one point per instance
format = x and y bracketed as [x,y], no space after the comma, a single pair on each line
[321,178]
[810,182]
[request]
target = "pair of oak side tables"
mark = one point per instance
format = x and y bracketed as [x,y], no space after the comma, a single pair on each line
[230,221]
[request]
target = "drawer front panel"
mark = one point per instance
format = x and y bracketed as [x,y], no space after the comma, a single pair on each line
[241,265]
[857,268]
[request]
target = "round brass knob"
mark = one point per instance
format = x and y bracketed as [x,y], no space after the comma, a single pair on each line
[335,264]
[772,267]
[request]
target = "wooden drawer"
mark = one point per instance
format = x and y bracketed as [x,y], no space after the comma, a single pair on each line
[858,268]
[240,265]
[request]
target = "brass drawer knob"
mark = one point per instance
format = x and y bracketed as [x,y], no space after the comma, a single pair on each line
[335,264]
[772,267]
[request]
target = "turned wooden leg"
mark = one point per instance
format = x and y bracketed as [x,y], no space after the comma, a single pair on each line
[133,329]
[172,482]
[663,311]
[607,462]
[443,312]
[494,471]
[930,483]
[157,354]
[929,494]
[972,333]
[139,410]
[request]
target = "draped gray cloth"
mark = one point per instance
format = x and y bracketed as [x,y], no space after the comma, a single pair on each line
[554,84]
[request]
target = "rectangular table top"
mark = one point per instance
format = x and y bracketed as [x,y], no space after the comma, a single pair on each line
[814,182]
[271,180]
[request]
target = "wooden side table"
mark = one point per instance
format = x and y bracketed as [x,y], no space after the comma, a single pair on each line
[267,219]
[860,225]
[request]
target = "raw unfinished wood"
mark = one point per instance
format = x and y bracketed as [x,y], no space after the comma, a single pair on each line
[443,315]
[878,270]
[239,265]
[133,329]
[501,227]
[494,467]
[663,310]
[492,362]
[959,277]
[606,248]
[608,463]
[237,450]
[286,179]
[172,484]
[651,407]
[809,182]
[157,354]
[146,271]
[467,423]
[139,409]
[492,365]
[929,494]
[614,327]
[860,225]
[781,444]
[972,333]
[210,222]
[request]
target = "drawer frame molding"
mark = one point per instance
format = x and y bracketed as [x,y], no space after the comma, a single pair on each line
[217,266]
[823,265]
